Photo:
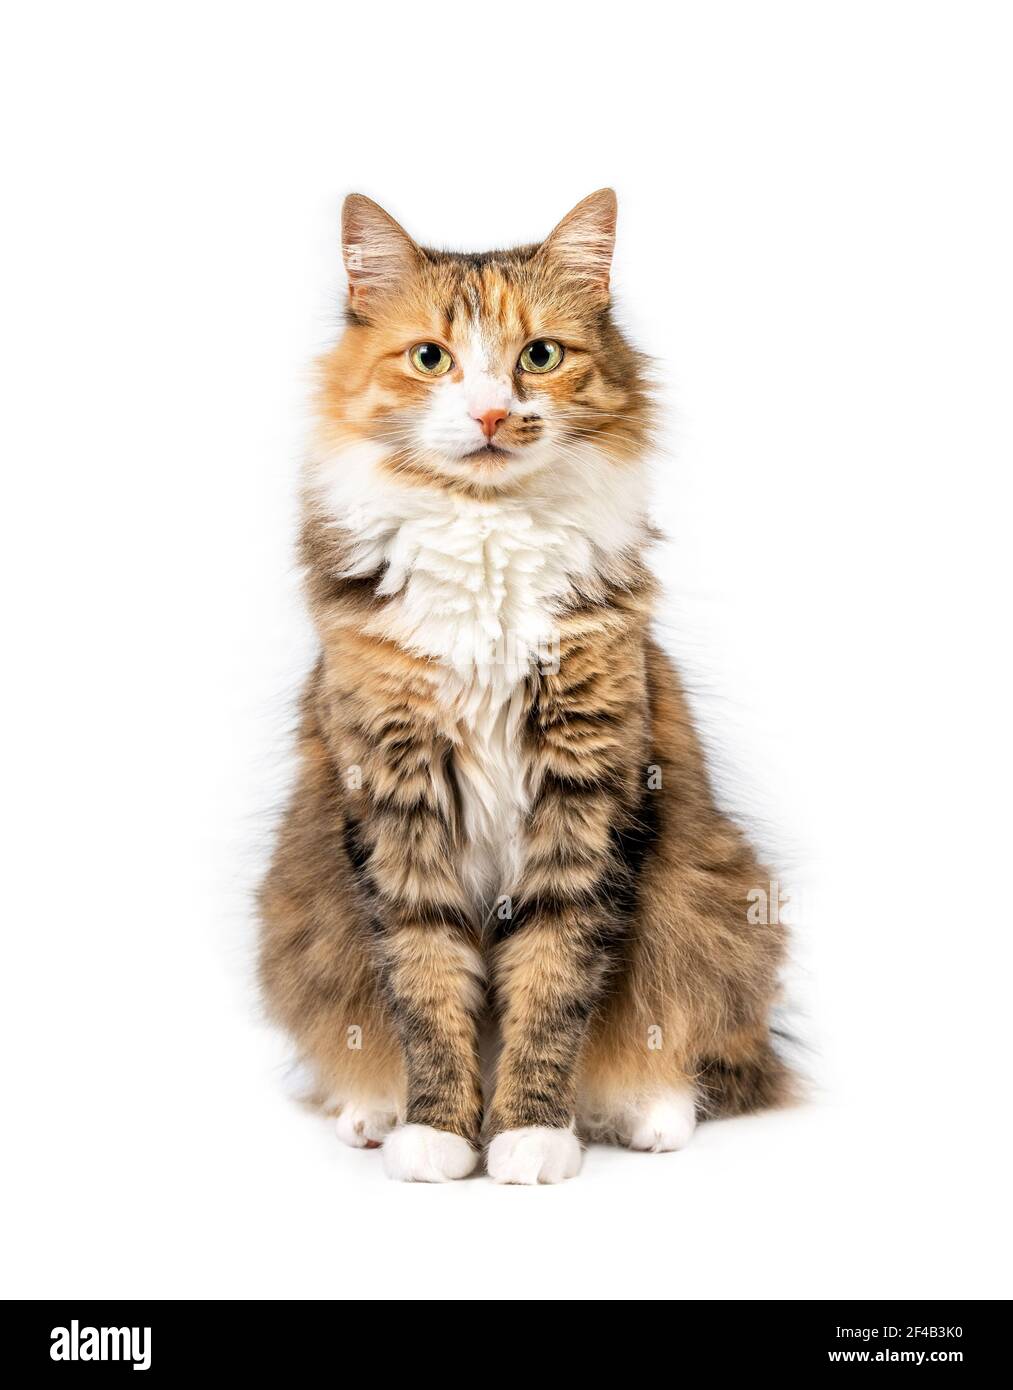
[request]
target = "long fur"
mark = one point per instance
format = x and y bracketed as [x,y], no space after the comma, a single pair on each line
[503,808]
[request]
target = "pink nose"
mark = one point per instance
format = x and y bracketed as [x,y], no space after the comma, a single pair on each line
[490,420]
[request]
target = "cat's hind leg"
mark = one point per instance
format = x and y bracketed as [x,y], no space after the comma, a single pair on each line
[658,1123]
[652,1100]
[658,1118]
[366,1124]
[633,1087]
[317,969]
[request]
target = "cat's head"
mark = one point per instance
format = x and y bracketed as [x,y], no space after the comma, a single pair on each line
[484,369]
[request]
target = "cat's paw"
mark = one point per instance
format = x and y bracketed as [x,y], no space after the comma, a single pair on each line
[664,1123]
[534,1154]
[365,1126]
[419,1153]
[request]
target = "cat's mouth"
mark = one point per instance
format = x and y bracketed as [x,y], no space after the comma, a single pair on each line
[488,451]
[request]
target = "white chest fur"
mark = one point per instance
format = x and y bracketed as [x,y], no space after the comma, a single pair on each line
[476,586]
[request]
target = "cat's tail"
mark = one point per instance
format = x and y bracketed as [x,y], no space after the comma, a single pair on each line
[753,1073]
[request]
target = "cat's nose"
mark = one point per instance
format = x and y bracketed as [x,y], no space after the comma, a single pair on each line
[490,420]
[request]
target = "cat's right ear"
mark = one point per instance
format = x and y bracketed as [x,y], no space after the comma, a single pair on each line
[378,253]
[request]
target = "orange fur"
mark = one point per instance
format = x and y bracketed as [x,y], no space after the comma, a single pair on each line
[623,965]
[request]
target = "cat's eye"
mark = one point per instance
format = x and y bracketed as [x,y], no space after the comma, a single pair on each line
[430,359]
[541,356]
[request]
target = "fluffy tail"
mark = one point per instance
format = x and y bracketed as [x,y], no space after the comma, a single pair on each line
[751,1075]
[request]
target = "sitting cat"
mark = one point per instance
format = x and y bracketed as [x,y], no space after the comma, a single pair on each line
[502,809]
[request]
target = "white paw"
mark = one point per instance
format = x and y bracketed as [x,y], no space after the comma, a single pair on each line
[665,1123]
[535,1154]
[418,1153]
[365,1126]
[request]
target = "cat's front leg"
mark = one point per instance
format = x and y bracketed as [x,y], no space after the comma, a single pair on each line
[549,973]
[548,977]
[585,741]
[431,970]
[433,984]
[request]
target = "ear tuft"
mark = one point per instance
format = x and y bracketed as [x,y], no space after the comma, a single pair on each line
[583,242]
[378,252]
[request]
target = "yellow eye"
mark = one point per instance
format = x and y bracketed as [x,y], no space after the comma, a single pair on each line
[430,359]
[543,355]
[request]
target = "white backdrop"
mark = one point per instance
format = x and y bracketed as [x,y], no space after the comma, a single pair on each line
[815,233]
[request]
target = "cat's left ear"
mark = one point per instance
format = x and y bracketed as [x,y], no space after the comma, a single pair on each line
[378,252]
[583,242]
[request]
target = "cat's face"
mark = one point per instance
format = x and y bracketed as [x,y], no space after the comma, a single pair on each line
[481,370]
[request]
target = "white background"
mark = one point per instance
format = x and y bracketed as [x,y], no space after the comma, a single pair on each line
[815,243]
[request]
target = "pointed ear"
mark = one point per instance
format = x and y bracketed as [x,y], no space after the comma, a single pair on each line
[583,242]
[378,253]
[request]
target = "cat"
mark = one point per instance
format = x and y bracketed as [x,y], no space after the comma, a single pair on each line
[502,810]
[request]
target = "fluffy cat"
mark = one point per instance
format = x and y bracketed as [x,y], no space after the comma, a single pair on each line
[502,809]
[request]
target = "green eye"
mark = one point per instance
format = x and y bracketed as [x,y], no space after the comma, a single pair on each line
[541,356]
[430,359]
